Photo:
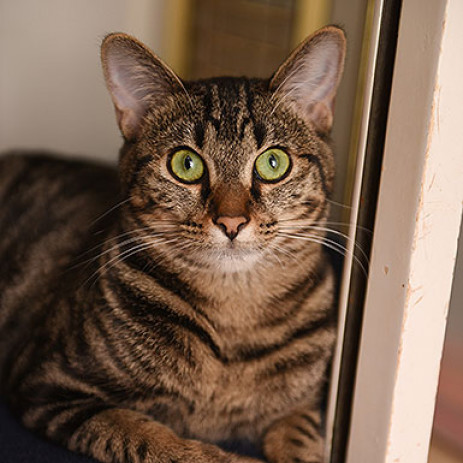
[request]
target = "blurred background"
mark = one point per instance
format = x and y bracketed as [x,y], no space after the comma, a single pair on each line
[52,96]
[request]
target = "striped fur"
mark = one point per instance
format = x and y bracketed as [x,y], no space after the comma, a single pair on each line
[131,328]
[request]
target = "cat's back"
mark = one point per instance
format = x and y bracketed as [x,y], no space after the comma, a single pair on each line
[49,210]
[42,195]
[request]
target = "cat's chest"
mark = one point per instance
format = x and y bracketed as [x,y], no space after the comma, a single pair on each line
[239,400]
[232,383]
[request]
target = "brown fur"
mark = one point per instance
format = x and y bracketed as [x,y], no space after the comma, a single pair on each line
[132,328]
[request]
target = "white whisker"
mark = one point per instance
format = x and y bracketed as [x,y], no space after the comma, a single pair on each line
[114,238]
[335,203]
[110,210]
[309,222]
[326,229]
[337,247]
[126,254]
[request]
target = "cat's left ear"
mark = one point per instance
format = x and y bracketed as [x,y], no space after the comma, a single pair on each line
[309,78]
[136,80]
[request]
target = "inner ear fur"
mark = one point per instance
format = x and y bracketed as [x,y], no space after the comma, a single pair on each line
[136,79]
[309,78]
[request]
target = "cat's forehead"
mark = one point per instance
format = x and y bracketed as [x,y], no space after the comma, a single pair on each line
[225,93]
[233,118]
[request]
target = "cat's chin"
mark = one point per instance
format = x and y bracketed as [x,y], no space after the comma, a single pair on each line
[232,260]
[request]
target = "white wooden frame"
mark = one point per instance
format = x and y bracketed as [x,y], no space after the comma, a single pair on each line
[415,240]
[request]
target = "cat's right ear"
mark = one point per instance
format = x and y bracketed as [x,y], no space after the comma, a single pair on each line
[309,78]
[136,80]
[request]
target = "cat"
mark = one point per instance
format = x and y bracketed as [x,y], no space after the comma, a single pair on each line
[150,314]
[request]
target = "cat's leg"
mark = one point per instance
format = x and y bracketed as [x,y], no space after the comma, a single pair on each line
[127,436]
[296,438]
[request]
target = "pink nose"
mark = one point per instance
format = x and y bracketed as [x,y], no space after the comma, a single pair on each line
[231,226]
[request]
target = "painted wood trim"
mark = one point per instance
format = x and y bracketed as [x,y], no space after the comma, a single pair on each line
[415,241]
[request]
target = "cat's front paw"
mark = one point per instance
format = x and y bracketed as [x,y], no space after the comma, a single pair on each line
[295,439]
[127,436]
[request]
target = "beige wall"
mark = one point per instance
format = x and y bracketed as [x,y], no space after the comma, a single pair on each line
[52,92]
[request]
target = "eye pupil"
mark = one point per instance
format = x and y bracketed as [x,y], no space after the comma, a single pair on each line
[272,160]
[188,162]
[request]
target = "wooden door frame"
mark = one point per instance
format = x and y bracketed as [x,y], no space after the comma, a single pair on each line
[415,241]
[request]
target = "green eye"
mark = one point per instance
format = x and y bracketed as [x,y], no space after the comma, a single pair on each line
[186,166]
[272,165]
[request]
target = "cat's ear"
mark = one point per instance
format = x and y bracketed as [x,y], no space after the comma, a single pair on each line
[309,78]
[136,79]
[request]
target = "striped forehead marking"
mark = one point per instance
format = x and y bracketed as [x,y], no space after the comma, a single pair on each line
[229,109]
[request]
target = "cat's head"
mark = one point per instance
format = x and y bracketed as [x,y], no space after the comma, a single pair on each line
[222,171]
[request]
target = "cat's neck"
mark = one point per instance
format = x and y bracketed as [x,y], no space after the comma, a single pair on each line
[240,299]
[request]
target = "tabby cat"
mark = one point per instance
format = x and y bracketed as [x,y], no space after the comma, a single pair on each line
[162,312]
